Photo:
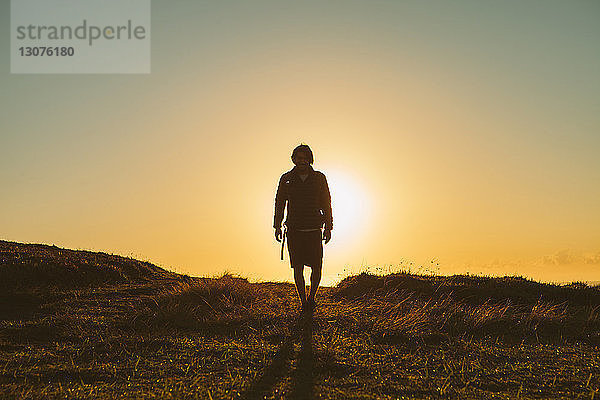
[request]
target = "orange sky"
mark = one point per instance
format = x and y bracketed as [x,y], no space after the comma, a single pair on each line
[467,135]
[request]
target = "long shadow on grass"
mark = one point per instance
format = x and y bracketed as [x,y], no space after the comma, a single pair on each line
[302,380]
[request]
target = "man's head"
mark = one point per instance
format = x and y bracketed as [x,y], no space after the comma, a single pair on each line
[302,155]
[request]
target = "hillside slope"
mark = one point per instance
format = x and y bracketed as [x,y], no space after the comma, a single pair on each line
[128,329]
[30,265]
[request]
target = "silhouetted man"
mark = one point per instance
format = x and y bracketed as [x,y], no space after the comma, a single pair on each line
[308,222]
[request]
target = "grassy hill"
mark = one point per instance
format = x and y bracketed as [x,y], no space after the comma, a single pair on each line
[30,265]
[80,324]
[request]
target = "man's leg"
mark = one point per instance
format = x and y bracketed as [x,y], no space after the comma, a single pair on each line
[300,285]
[315,279]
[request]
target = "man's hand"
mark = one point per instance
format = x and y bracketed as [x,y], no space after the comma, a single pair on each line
[278,234]
[327,235]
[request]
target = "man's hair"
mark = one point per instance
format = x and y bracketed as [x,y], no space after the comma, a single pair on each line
[305,149]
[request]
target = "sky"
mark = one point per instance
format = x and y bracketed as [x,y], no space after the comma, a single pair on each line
[457,137]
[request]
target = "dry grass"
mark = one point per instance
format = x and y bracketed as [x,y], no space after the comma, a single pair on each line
[432,307]
[153,334]
[24,266]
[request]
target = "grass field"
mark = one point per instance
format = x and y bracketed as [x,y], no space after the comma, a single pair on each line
[76,324]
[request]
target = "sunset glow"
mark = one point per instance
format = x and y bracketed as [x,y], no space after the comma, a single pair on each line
[352,208]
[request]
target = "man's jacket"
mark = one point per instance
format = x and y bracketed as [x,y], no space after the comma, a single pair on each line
[308,202]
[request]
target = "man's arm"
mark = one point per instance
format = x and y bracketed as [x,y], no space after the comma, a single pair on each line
[280,199]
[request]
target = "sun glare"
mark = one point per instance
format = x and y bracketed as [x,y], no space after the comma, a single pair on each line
[350,207]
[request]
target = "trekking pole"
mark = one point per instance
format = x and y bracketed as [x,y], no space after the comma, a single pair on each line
[283,240]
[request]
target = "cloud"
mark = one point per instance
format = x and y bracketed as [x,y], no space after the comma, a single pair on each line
[593,259]
[561,266]
[569,257]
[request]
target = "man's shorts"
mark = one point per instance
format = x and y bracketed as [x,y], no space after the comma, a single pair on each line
[305,248]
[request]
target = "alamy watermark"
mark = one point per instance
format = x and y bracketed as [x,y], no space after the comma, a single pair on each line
[80,36]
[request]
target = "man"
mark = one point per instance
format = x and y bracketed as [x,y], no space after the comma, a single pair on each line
[308,211]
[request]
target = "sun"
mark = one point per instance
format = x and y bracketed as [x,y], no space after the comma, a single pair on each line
[350,206]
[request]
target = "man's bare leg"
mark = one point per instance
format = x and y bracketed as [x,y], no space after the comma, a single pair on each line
[300,285]
[315,279]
